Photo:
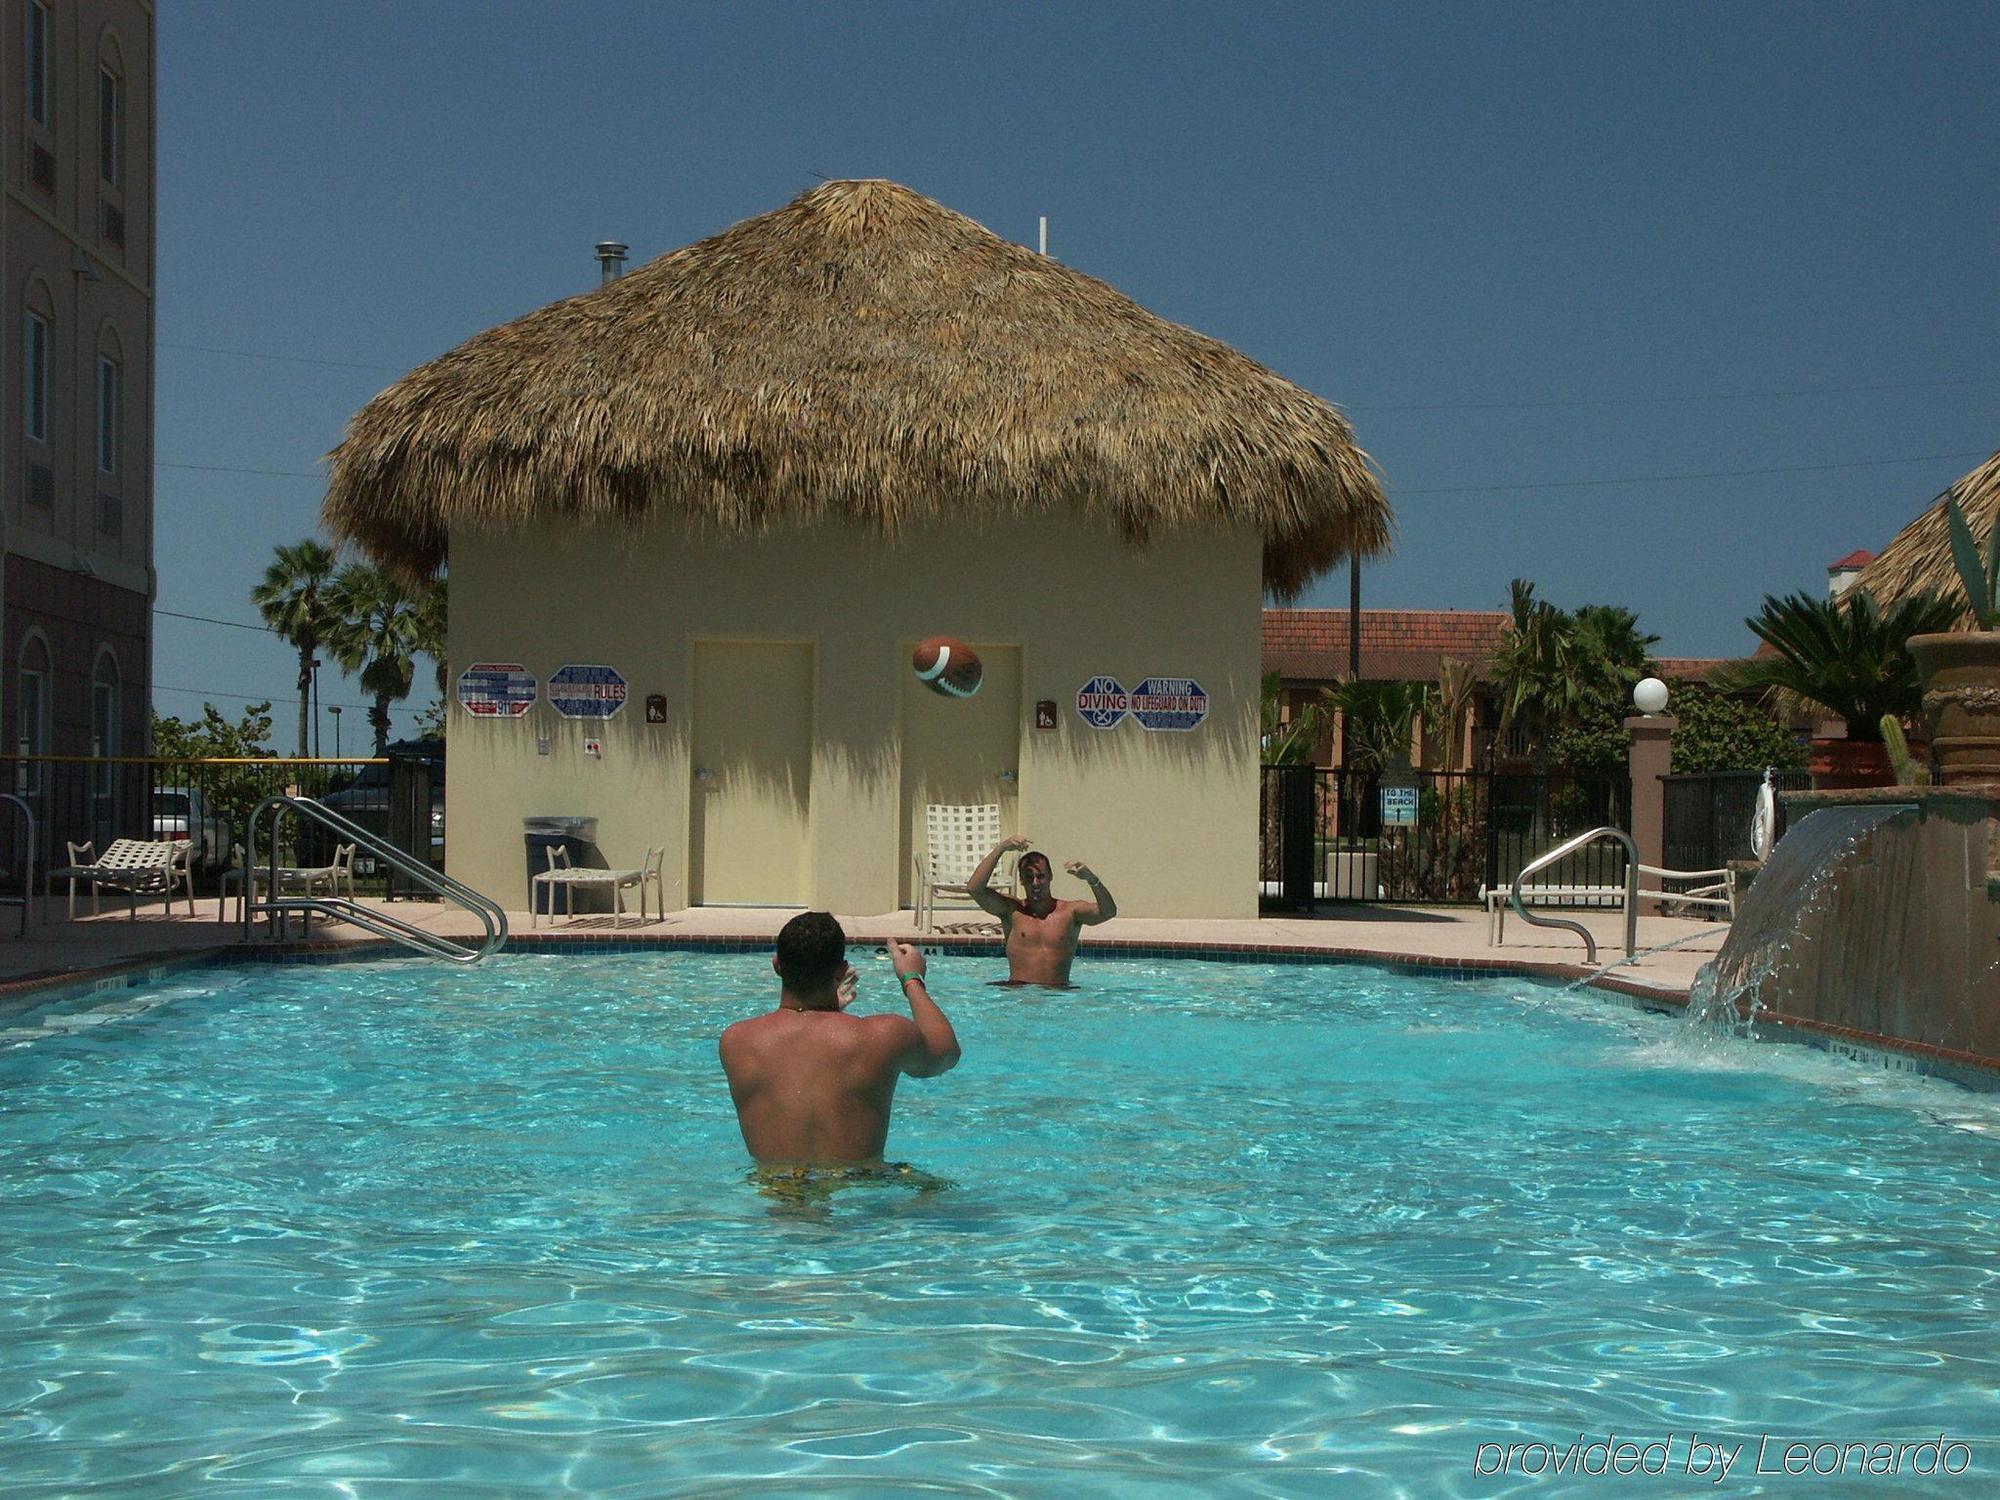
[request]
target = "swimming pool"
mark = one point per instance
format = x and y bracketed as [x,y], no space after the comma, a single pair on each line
[385,1228]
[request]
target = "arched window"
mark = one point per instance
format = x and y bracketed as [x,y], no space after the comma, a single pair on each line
[38,316]
[110,417]
[110,113]
[31,713]
[37,46]
[104,740]
[104,703]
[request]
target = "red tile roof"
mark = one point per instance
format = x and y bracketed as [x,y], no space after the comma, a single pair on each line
[1855,559]
[1404,645]
[1396,644]
[1696,667]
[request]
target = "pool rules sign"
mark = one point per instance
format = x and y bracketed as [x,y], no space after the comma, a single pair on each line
[587,692]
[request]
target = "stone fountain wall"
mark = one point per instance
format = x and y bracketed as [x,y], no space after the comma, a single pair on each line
[1904,946]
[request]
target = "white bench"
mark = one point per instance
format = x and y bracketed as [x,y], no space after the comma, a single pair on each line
[1718,894]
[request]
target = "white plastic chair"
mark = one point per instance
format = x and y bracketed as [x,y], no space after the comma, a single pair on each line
[566,877]
[956,839]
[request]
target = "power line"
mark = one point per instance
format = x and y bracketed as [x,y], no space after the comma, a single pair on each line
[211,620]
[224,469]
[289,359]
[261,698]
[1453,489]
[1553,402]
[1574,484]
[1804,390]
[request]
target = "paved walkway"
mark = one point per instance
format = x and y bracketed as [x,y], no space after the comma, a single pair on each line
[1454,936]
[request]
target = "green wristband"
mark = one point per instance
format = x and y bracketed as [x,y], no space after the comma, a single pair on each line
[905,979]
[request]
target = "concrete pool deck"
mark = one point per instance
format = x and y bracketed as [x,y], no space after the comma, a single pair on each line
[1444,937]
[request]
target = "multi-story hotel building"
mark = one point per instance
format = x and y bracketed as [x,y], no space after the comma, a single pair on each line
[76,347]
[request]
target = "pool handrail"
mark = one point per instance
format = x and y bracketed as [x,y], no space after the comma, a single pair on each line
[279,907]
[28,865]
[1563,851]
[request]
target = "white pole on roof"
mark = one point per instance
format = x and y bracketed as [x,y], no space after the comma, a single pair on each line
[1045,234]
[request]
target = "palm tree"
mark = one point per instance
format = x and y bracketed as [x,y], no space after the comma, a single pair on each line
[1538,671]
[293,601]
[377,632]
[1450,701]
[1381,721]
[1844,658]
[1288,742]
[432,609]
[1614,653]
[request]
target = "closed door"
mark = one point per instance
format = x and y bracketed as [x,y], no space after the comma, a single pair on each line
[753,711]
[961,750]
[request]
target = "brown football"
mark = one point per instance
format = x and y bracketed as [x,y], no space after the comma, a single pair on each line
[947,666]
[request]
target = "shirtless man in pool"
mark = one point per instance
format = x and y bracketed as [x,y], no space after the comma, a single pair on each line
[1041,931]
[813,1085]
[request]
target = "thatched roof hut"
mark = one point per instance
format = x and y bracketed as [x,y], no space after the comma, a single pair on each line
[1919,559]
[862,354]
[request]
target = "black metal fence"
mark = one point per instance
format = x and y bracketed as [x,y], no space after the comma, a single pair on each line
[81,800]
[1708,815]
[1428,836]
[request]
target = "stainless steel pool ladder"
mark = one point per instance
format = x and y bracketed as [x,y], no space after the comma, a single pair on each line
[279,907]
[1563,851]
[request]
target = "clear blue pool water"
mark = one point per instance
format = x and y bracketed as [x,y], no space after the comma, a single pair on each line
[386,1230]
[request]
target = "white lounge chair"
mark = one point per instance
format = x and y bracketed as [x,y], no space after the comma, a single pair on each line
[956,839]
[562,876]
[138,868]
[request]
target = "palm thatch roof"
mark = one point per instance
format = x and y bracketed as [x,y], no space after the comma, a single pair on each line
[863,354]
[1919,559]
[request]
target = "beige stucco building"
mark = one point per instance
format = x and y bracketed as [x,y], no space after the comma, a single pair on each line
[738,486]
[76,346]
[797,748]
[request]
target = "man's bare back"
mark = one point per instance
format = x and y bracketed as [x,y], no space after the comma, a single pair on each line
[814,1085]
[1041,931]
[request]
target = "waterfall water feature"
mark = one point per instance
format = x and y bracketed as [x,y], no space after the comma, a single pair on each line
[1796,885]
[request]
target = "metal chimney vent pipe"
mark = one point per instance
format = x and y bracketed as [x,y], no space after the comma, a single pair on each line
[611,259]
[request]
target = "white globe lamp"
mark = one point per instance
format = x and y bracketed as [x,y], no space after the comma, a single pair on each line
[1650,695]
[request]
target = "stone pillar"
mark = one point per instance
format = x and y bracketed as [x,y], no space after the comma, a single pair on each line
[1652,758]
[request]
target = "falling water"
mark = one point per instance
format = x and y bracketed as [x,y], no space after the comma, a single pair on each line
[1797,884]
[1633,958]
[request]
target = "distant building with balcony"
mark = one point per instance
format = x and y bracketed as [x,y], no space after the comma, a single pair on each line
[77,242]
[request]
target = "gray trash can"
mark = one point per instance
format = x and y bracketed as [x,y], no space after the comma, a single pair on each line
[579,837]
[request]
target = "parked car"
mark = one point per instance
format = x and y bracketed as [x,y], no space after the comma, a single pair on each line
[365,801]
[185,814]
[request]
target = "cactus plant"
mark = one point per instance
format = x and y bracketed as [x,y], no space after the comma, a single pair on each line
[1981,578]
[1908,772]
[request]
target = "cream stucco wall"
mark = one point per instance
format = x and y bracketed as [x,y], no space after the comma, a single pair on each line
[1168,819]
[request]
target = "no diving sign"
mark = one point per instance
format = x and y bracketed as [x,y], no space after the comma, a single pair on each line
[1101,702]
[1169,703]
[587,692]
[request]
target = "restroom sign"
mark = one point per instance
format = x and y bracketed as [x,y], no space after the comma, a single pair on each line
[1102,702]
[586,692]
[496,690]
[1169,703]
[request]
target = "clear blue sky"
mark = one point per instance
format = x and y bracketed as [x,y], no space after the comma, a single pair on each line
[1531,249]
